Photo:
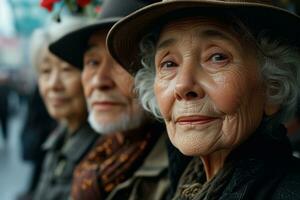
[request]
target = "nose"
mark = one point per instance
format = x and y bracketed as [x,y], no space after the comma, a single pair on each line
[103,79]
[188,86]
[55,82]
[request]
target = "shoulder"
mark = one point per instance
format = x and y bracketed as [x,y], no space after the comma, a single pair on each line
[151,180]
[155,163]
[55,137]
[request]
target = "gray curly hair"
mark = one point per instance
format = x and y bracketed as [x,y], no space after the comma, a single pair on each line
[280,69]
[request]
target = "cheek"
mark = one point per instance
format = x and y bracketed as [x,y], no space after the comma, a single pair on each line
[42,88]
[75,90]
[86,79]
[124,82]
[226,98]
[126,87]
[76,87]
[230,92]
[79,104]
[170,129]
[164,93]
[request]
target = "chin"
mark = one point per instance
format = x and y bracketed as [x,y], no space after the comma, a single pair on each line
[103,118]
[188,151]
[57,115]
[190,146]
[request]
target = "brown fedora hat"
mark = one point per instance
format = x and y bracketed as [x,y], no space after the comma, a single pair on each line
[124,37]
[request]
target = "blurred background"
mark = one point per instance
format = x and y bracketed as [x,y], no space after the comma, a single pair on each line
[19,99]
[18,20]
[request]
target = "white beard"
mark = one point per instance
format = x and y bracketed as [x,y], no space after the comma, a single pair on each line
[124,123]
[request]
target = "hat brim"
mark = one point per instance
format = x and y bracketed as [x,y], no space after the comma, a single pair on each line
[72,46]
[124,37]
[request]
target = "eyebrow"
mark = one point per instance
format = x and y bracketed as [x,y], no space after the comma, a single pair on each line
[90,48]
[203,34]
[165,43]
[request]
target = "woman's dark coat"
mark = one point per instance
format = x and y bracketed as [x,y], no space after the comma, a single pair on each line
[63,154]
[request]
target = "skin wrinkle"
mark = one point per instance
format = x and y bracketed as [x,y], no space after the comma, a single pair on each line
[229,89]
[109,90]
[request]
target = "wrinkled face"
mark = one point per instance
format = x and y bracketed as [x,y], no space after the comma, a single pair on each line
[109,90]
[61,89]
[207,86]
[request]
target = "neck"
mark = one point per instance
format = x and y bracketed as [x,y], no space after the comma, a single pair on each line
[213,163]
[135,133]
[74,123]
[141,130]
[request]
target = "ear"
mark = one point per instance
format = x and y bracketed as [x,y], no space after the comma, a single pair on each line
[271,109]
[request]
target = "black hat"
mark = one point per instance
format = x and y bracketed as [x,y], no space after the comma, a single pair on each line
[71,47]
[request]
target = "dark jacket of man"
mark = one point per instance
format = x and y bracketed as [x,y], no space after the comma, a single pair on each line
[150,181]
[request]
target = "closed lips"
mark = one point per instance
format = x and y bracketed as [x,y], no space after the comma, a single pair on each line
[106,103]
[195,119]
[58,100]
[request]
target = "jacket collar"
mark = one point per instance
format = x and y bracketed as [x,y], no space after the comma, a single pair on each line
[154,165]
[55,138]
[156,161]
[76,145]
[80,142]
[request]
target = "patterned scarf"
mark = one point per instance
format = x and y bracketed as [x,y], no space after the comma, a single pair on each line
[113,160]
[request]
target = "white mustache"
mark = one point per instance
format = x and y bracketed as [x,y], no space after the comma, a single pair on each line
[111,97]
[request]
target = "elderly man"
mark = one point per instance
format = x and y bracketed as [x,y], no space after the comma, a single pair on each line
[130,160]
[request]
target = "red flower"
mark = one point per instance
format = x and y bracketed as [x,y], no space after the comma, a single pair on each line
[48,4]
[83,3]
[98,9]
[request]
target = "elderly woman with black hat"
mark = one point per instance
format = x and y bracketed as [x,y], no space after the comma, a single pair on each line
[223,75]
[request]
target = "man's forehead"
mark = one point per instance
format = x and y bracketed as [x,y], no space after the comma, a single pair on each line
[96,40]
[98,36]
[91,48]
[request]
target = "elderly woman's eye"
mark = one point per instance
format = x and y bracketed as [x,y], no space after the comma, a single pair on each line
[67,68]
[45,70]
[218,57]
[168,64]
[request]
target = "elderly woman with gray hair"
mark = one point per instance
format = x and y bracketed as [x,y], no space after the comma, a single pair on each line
[61,90]
[224,76]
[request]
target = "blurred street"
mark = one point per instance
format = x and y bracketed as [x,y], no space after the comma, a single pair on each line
[14,172]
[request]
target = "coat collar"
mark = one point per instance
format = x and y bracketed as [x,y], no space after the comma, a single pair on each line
[156,161]
[154,165]
[75,146]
